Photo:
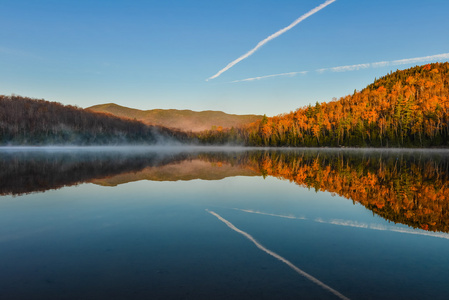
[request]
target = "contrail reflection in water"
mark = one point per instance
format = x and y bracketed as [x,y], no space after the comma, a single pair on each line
[268,214]
[349,223]
[287,262]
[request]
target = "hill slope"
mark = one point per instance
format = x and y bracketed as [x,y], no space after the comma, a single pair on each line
[407,108]
[26,121]
[186,120]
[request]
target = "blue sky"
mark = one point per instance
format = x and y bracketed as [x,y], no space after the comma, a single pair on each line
[158,54]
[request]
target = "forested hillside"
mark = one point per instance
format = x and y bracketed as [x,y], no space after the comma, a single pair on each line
[185,120]
[26,121]
[407,108]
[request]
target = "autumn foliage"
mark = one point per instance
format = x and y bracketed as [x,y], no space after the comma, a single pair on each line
[408,108]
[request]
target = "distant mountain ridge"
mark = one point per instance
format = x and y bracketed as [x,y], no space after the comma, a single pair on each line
[186,120]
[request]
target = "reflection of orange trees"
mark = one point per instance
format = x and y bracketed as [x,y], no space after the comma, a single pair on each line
[413,193]
[407,187]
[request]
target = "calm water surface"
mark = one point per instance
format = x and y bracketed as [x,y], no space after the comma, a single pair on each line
[140,223]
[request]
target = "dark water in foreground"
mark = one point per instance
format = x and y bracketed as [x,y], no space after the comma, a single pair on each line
[211,224]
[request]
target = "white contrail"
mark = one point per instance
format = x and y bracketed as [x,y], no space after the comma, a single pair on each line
[291,74]
[287,262]
[436,57]
[271,37]
[420,59]
[349,223]
[350,68]
[441,57]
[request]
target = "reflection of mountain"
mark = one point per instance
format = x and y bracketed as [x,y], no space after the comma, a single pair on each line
[408,187]
[185,170]
[24,172]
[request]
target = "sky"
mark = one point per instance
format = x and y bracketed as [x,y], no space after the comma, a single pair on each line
[163,54]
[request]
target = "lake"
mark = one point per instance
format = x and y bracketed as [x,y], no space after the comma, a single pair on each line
[223,223]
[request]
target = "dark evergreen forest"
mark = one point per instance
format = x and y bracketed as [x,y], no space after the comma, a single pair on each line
[26,121]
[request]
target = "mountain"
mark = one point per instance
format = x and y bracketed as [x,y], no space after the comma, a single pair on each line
[26,121]
[407,108]
[185,120]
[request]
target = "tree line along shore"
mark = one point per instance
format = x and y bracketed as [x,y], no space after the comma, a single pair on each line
[406,108]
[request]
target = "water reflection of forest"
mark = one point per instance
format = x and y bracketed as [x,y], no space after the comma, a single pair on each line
[406,187]
[409,187]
